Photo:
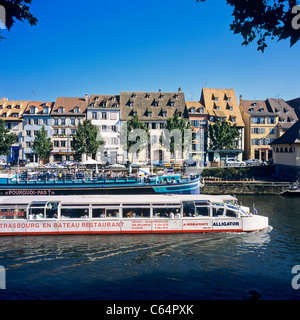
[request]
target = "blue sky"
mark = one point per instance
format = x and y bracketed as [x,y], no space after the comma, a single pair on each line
[104,47]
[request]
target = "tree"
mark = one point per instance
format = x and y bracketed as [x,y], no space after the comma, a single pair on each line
[222,136]
[137,136]
[6,139]
[263,19]
[42,145]
[17,9]
[177,140]
[86,140]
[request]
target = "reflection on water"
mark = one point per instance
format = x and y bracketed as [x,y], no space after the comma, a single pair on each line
[178,266]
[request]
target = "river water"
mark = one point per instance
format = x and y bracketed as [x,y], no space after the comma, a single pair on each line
[169,267]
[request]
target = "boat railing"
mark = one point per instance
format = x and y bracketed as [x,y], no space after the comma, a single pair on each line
[85,178]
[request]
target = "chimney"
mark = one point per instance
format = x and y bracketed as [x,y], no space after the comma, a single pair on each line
[179,89]
[159,90]
[241,97]
[86,97]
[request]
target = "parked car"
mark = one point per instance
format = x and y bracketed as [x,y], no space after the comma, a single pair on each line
[158,164]
[234,162]
[189,163]
[254,162]
[15,162]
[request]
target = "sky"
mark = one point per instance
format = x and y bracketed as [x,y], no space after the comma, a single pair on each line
[105,47]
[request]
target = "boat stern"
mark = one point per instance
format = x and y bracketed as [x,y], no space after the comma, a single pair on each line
[255,223]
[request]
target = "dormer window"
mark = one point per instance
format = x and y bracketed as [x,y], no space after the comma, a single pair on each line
[176,96]
[76,110]
[150,114]
[285,110]
[46,110]
[131,104]
[162,96]
[192,110]
[164,114]
[113,98]
[201,110]
[233,119]
[18,106]
[32,110]
[60,110]
[254,104]
[8,107]
[172,104]
[156,103]
[251,109]
[97,98]
[261,109]
[147,96]
[133,95]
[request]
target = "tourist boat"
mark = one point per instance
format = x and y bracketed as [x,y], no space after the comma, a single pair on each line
[121,214]
[293,191]
[64,185]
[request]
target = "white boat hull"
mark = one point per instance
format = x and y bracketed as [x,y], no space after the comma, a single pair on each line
[103,226]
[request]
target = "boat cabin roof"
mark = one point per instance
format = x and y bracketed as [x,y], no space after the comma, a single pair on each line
[114,199]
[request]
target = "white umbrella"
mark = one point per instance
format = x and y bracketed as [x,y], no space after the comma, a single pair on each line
[116,165]
[92,161]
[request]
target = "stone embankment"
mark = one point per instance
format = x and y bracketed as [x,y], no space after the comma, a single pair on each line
[244,187]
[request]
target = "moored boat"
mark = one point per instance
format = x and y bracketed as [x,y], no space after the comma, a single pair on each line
[169,183]
[120,214]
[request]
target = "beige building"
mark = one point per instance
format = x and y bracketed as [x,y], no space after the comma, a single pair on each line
[66,115]
[261,128]
[287,154]
[154,109]
[12,113]
[221,104]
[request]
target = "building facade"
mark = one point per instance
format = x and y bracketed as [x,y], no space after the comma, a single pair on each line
[198,117]
[12,114]
[154,109]
[261,128]
[286,151]
[222,105]
[36,115]
[66,115]
[104,113]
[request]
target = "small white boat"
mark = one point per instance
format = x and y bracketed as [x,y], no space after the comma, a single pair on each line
[121,214]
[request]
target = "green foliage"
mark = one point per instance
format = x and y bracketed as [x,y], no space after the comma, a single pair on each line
[6,139]
[86,140]
[17,9]
[260,20]
[222,135]
[141,141]
[42,145]
[173,124]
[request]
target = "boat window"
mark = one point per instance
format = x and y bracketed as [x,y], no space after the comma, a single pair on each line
[166,212]
[67,213]
[12,213]
[98,213]
[112,213]
[136,213]
[202,212]
[188,209]
[51,210]
[231,213]
[218,211]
